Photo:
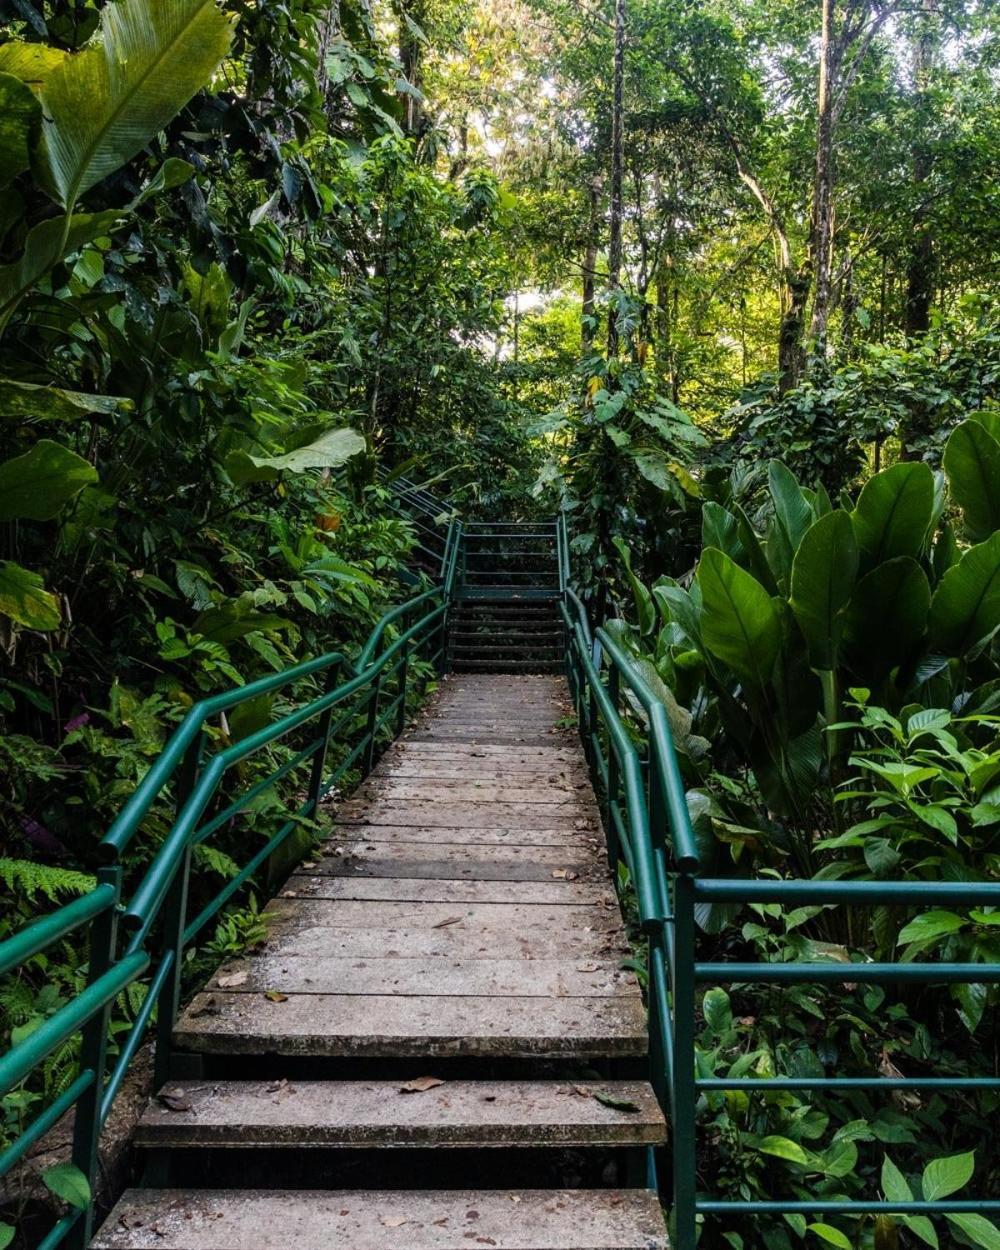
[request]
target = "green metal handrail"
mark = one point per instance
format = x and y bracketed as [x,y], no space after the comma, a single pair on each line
[661,852]
[156,913]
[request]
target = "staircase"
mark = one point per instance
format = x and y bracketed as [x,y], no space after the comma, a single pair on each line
[437,1049]
[505,619]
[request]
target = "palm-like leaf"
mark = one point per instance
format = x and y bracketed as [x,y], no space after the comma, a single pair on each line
[104,105]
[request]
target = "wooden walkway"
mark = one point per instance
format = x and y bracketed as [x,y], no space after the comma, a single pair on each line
[444,975]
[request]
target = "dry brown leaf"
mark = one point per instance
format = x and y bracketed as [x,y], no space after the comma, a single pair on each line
[420,1085]
[275,996]
[232,980]
[447,921]
[175,1100]
[394,1221]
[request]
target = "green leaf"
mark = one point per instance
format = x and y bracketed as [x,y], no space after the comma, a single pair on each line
[783,1148]
[943,1177]
[66,1181]
[329,451]
[972,463]
[104,104]
[24,599]
[965,608]
[644,606]
[20,116]
[46,245]
[824,571]
[6,1236]
[717,1011]
[37,485]
[619,1104]
[979,1230]
[740,622]
[26,401]
[932,924]
[893,513]
[894,1185]
[832,1236]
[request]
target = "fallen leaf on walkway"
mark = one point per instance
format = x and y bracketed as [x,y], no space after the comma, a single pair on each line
[448,920]
[275,996]
[420,1085]
[231,981]
[394,1221]
[175,1100]
[619,1104]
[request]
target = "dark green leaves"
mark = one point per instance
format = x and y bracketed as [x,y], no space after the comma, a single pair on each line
[966,605]
[972,463]
[887,617]
[894,512]
[740,621]
[823,575]
[20,115]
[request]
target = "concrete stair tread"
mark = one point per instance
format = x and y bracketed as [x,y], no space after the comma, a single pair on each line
[572,1219]
[385,1114]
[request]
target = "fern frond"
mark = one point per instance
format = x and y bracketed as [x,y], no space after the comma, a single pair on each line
[26,878]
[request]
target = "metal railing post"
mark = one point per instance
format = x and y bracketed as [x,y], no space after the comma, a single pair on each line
[93,1057]
[685,1093]
[403,674]
[315,790]
[175,917]
[614,776]
[368,759]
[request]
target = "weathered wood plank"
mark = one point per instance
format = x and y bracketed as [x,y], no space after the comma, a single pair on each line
[453,978]
[526,919]
[350,835]
[572,1219]
[461,862]
[571,813]
[385,1026]
[557,892]
[381,1114]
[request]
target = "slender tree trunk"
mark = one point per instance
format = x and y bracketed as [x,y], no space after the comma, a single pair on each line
[821,231]
[920,269]
[410,57]
[590,261]
[617,149]
[328,28]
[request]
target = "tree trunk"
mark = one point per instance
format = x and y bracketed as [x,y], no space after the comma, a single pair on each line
[327,29]
[590,261]
[921,264]
[617,146]
[410,57]
[821,230]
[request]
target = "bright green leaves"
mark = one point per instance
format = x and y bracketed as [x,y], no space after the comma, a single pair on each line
[20,116]
[741,624]
[966,604]
[894,512]
[104,105]
[941,1178]
[25,600]
[972,463]
[66,1181]
[38,484]
[824,571]
[26,401]
[329,451]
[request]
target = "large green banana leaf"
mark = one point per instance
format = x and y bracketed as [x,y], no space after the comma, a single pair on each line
[894,513]
[740,622]
[824,571]
[966,604]
[20,116]
[972,463]
[105,104]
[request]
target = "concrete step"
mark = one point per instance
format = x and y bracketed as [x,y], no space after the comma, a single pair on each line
[529,1219]
[455,1114]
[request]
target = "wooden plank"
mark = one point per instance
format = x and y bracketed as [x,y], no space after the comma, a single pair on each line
[450,977]
[416,789]
[557,892]
[532,1219]
[466,1114]
[529,919]
[350,836]
[460,862]
[430,1026]
[295,936]
[493,751]
[572,814]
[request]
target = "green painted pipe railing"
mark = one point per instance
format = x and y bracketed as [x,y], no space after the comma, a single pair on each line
[362,705]
[649,829]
